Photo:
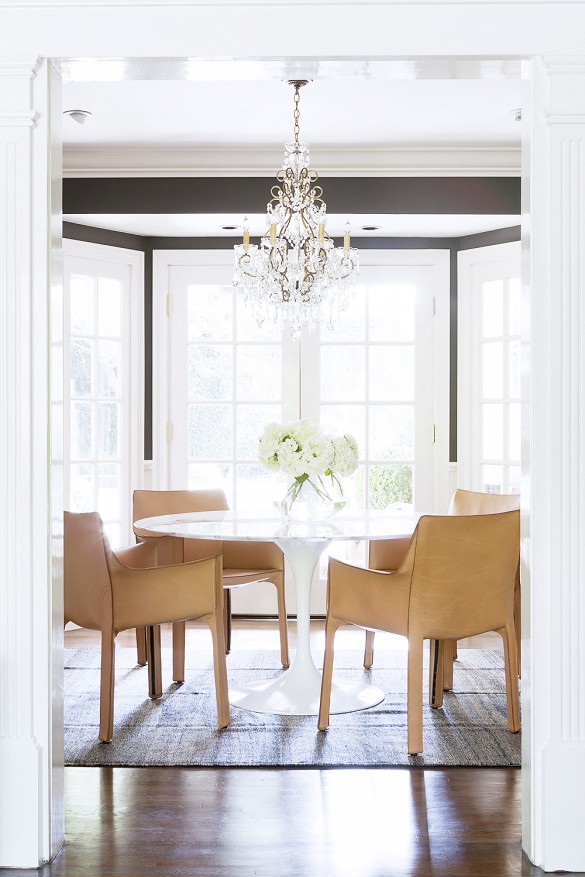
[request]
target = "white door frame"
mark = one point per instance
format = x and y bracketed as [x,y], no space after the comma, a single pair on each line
[554,258]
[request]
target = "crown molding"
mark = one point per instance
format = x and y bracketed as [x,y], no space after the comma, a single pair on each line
[264,161]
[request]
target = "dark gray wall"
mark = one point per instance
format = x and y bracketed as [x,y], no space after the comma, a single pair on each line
[408,195]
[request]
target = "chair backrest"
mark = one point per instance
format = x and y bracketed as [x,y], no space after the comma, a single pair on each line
[151,503]
[236,555]
[463,570]
[86,575]
[470,502]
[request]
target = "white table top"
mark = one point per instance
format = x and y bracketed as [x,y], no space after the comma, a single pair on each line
[223,525]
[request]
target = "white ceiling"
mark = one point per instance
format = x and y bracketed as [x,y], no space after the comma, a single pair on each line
[333,111]
[210,225]
[221,118]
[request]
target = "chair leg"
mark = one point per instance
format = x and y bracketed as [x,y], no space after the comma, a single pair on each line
[107,676]
[517,628]
[414,697]
[325,703]
[438,659]
[369,650]
[216,625]
[282,625]
[141,646]
[227,619]
[508,634]
[449,650]
[154,661]
[179,651]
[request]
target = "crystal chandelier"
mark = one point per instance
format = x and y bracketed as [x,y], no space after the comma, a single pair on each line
[296,275]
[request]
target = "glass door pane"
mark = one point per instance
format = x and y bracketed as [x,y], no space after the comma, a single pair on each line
[98,364]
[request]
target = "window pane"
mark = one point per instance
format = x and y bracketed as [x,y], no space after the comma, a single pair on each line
[80,377]
[81,487]
[392,432]
[493,370]
[210,372]
[210,432]
[258,490]
[108,432]
[109,484]
[514,431]
[514,369]
[259,372]
[493,308]
[217,475]
[390,485]
[247,329]
[339,419]
[109,307]
[514,306]
[82,304]
[342,373]
[392,312]
[210,313]
[349,325]
[493,479]
[251,420]
[493,432]
[391,374]
[514,479]
[109,356]
[80,430]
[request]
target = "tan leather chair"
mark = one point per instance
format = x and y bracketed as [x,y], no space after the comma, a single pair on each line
[388,554]
[457,580]
[113,591]
[243,562]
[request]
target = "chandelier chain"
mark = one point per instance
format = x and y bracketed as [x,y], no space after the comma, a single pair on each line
[297,114]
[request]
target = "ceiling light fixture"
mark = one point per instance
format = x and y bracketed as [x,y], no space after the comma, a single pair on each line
[77,115]
[296,275]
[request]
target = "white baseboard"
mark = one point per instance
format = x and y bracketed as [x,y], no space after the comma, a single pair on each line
[20,803]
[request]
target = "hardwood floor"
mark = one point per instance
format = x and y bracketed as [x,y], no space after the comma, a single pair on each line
[138,822]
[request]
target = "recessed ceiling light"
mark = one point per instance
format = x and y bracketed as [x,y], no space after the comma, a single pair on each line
[371,227]
[77,115]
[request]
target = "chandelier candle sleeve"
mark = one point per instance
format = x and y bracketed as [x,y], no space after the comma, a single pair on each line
[296,275]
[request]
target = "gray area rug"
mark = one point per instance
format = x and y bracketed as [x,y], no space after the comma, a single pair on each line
[180,728]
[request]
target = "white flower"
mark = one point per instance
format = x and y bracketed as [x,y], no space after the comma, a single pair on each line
[345,455]
[300,448]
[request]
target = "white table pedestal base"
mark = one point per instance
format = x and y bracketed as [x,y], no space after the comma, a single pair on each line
[298,690]
[282,696]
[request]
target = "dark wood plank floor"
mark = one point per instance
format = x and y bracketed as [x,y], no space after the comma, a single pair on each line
[138,822]
[170,822]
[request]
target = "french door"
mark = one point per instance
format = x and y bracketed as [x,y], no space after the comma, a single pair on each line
[104,387]
[381,374]
[489,369]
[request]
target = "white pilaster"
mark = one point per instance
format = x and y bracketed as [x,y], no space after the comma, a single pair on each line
[31,828]
[553,492]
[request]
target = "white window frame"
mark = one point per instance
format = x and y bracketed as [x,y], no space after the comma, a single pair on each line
[133,452]
[439,260]
[503,261]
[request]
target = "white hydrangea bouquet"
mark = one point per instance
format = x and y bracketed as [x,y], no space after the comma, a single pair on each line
[315,460]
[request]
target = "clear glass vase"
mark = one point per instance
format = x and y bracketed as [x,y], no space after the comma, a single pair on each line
[315,499]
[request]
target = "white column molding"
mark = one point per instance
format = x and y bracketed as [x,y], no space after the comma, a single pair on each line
[553,492]
[31,784]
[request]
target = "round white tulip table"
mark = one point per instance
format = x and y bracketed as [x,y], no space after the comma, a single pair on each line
[297,691]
